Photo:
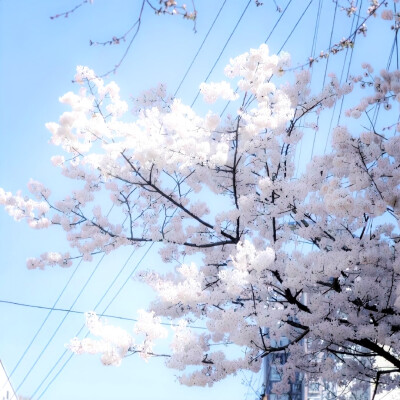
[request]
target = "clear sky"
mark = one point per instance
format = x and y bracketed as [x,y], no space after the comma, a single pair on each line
[38,60]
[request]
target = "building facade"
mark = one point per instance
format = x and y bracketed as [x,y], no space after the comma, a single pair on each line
[299,390]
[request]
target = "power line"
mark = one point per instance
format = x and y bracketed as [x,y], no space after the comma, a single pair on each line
[330,42]
[377,107]
[15,303]
[323,81]
[73,311]
[80,330]
[316,29]
[341,78]
[199,49]
[223,49]
[82,327]
[312,56]
[297,23]
[102,314]
[338,46]
[50,311]
[121,271]
[277,22]
[266,40]
[395,45]
[348,68]
[62,321]
[45,320]
[56,375]
[60,324]
[284,43]
[98,303]
[295,26]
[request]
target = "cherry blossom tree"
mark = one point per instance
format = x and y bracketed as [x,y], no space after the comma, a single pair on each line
[310,256]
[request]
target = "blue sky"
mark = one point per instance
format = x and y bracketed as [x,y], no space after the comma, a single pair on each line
[38,60]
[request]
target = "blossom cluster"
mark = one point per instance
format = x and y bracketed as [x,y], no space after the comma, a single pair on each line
[282,254]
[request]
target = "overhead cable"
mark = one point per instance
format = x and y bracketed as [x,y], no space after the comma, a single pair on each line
[199,49]
[223,49]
